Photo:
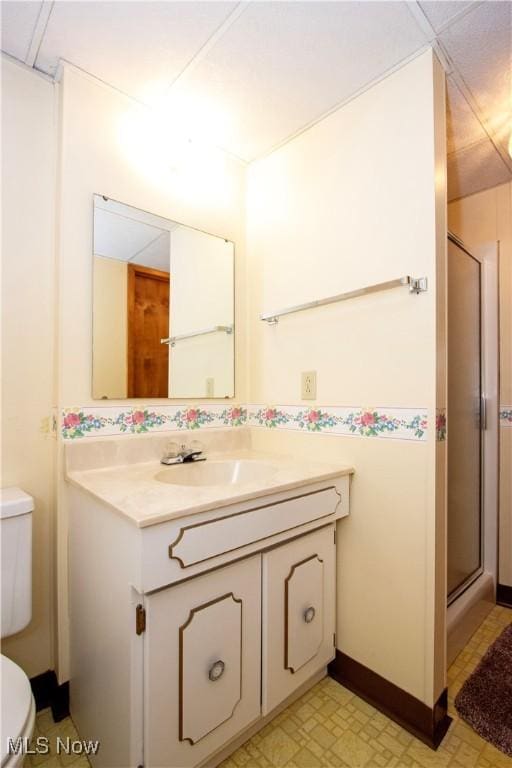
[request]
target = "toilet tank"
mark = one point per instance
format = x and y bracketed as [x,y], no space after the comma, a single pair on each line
[16,508]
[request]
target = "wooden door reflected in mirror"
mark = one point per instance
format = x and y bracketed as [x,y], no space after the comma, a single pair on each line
[148,323]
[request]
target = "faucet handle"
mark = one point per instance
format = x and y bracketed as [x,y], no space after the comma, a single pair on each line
[172,450]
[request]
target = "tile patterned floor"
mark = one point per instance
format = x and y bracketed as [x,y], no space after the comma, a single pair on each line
[45,726]
[329,727]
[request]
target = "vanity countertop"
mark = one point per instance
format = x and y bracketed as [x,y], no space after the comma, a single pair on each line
[132,490]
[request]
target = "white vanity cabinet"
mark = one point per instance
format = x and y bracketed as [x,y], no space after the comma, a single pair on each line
[202,664]
[187,635]
[205,638]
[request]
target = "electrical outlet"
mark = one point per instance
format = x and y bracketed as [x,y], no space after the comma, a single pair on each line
[210,387]
[308,385]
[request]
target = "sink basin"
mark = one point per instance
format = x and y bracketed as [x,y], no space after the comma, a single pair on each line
[232,472]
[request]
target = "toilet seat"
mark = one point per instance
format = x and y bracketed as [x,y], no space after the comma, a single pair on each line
[18,710]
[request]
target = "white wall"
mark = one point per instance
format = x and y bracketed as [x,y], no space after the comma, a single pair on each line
[110,328]
[352,201]
[114,147]
[476,220]
[358,199]
[28,294]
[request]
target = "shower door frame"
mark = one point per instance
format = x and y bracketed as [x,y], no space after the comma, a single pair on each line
[487,257]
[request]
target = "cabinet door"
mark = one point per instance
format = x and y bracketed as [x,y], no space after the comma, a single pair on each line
[298,613]
[202,664]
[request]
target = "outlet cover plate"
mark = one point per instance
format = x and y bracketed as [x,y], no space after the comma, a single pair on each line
[308,385]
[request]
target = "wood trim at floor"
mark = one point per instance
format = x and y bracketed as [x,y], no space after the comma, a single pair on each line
[427,724]
[48,693]
[504,595]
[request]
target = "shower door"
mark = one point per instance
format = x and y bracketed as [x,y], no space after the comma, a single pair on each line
[464,419]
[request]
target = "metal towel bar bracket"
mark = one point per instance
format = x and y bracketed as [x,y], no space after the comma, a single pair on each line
[416,285]
[215,329]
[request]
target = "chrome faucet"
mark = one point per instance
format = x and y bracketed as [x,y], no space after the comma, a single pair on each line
[183,455]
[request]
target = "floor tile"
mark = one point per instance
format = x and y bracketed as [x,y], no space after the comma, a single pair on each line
[330,727]
[342,730]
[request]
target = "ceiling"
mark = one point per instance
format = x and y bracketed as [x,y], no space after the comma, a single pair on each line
[124,233]
[254,74]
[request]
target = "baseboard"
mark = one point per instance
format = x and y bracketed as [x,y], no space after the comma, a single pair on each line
[48,693]
[504,595]
[427,724]
[43,687]
[60,702]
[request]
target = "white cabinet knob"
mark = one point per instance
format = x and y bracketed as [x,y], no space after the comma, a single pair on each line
[216,671]
[309,615]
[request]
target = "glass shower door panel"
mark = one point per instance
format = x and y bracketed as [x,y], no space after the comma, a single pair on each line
[464,425]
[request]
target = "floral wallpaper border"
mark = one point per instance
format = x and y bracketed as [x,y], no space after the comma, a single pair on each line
[505,415]
[98,421]
[396,423]
[441,427]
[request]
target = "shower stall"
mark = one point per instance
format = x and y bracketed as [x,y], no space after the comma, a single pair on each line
[472,438]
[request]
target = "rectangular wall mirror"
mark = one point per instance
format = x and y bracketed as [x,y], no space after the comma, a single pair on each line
[163,307]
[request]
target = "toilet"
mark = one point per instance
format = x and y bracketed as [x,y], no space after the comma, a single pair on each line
[18,706]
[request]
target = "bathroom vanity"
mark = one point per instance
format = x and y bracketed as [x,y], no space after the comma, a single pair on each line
[202,596]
